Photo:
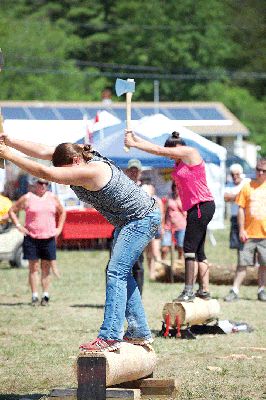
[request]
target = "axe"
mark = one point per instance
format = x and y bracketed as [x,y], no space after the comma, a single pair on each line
[126,86]
[2,161]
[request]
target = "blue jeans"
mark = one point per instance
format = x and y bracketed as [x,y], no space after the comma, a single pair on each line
[123,298]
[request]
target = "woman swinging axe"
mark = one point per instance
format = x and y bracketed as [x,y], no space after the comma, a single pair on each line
[190,178]
[98,181]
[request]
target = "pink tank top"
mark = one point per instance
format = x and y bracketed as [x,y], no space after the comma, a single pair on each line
[40,218]
[192,184]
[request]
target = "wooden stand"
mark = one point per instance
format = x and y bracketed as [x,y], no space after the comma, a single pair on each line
[126,391]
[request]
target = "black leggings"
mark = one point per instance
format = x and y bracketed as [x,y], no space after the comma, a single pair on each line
[196,230]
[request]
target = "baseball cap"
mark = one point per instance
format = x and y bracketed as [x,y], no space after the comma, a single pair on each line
[134,163]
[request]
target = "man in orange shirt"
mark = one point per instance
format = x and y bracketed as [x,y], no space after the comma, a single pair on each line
[252,231]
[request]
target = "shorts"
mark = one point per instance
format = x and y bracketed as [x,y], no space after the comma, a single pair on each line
[178,235]
[250,249]
[39,249]
[235,242]
[158,234]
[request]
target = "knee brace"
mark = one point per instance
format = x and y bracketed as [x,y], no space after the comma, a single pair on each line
[190,256]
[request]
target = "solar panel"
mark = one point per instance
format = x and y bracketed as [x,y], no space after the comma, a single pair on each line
[180,113]
[14,113]
[145,111]
[209,113]
[70,113]
[42,113]
[77,113]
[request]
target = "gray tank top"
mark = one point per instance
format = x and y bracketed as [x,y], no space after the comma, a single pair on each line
[120,200]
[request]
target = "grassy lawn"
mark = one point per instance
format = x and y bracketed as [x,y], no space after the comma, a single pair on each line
[38,346]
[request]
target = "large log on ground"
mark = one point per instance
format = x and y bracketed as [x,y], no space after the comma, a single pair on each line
[192,313]
[219,274]
[129,363]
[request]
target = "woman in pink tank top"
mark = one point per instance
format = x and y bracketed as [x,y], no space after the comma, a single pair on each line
[40,232]
[190,177]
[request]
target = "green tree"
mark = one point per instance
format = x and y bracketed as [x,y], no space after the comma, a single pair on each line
[250,111]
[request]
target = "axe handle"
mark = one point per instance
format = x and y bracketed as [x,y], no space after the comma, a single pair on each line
[2,161]
[128,114]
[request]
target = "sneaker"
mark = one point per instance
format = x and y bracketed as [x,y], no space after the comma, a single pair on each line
[45,301]
[34,301]
[203,294]
[232,296]
[138,341]
[99,345]
[262,295]
[185,296]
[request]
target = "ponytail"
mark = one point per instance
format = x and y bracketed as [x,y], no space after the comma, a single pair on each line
[87,152]
[174,140]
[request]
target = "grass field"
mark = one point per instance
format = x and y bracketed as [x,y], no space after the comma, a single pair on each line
[38,346]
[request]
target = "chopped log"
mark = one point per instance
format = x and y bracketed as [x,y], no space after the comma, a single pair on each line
[192,313]
[128,363]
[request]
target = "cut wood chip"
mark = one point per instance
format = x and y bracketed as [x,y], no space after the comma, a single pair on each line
[237,357]
[253,348]
[217,369]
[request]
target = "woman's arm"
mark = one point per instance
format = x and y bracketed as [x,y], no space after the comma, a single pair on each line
[14,210]
[61,216]
[241,225]
[188,154]
[31,149]
[76,175]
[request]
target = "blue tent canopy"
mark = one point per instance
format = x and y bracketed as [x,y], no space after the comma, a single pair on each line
[110,143]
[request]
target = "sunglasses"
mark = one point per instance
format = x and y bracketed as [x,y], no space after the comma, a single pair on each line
[43,183]
[261,170]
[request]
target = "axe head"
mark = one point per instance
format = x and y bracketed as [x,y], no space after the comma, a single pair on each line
[124,86]
[1,59]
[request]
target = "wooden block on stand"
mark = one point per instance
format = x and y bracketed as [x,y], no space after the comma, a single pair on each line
[91,377]
[154,387]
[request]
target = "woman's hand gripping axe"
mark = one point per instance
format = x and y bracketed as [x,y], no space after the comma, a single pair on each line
[126,86]
[2,161]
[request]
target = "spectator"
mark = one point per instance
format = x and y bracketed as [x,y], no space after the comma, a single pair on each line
[153,250]
[252,231]
[134,172]
[98,181]
[174,223]
[190,177]
[5,205]
[40,230]
[231,191]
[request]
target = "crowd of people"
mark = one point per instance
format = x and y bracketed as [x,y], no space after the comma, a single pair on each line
[143,223]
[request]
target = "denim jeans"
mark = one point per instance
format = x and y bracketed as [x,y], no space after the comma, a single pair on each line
[123,298]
